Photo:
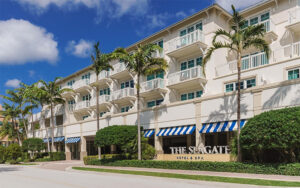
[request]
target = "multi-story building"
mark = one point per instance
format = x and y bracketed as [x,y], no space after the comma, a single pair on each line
[184,106]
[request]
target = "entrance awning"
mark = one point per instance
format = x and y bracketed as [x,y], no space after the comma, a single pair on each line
[175,131]
[59,139]
[149,133]
[72,140]
[45,140]
[221,126]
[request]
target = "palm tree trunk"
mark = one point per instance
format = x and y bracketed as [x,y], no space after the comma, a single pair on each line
[239,157]
[97,115]
[32,124]
[16,128]
[52,125]
[25,127]
[138,119]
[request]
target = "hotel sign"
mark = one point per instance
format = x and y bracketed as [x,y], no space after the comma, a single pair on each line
[200,150]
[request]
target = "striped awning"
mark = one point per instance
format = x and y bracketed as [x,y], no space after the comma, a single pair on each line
[175,131]
[149,133]
[221,126]
[45,140]
[72,140]
[59,139]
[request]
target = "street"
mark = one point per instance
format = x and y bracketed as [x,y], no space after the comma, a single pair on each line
[37,177]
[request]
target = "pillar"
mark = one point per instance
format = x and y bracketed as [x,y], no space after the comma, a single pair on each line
[200,138]
[68,151]
[257,106]
[158,141]
[83,152]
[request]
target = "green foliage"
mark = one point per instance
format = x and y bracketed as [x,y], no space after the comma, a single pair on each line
[2,154]
[57,156]
[33,145]
[89,159]
[292,169]
[115,135]
[13,152]
[272,136]
[148,151]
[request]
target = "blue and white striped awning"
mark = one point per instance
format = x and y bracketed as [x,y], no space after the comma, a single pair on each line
[221,126]
[59,139]
[45,140]
[149,133]
[175,131]
[72,140]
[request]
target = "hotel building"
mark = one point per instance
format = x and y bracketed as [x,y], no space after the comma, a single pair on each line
[184,106]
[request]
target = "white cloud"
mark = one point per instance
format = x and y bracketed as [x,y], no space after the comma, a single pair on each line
[81,49]
[239,4]
[157,20]
[183,14]
[14,83]
[112,8]
[22,42]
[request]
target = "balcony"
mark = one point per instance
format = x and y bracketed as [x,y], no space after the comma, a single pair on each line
[123,95]
[104,101]
[35,117]
[120,71]
[294,20]
[82,106]
[286,52]
[103,79]
[82,85]
[187,78]
[68,93]
[270,34]
[251,61]
[188,44]
[153,88]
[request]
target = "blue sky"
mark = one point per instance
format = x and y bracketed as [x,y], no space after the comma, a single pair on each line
[43,39]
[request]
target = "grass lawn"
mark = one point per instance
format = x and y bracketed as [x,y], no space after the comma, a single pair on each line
[197,177]
[27,164]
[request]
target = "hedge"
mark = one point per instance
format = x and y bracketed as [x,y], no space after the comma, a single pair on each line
[292,169]
[89,159]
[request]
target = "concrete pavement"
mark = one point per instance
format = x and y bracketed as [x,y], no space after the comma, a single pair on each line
[37,177]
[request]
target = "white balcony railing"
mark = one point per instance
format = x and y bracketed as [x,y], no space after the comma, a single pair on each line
[286,52]
[35,117]
[250,61]
[80,83]
[185,75]
[71,107]
[82,104]
[102,75]
[102,99]
[268,25]
[182,41]
[126,92]
[294,16]
[152,84]
[119,67]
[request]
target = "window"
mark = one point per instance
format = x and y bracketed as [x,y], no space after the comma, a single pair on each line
[126,108]
[199,26]
[154,76]
[86,76]
[246,24]
[71,105]
[86,97]
[262,18]
[183,66]
[265,16]
[254,21]
[59,120]
[47,122]
[199,61]
[71,83]
[127,84]
[161,44]
[191,63]
[244,85]
[191,95]
[293,74]
[85,117]
[154,103]
[102,114]
[105,91]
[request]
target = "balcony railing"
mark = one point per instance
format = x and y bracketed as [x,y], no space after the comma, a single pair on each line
[158,83]
[185,40]
[126,92]
[102,75]
[82,82]
[287,52]
[82,104]
[185,75]
[102,99]
[250,61]
[71,107]
[294,16]
[119,67]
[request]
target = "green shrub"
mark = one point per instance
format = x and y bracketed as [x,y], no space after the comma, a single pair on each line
[2,154]
[13,152]
[12,162]
[89,159]
[57,156]
[272,136]
[33,145]
[292,169]
[45,159]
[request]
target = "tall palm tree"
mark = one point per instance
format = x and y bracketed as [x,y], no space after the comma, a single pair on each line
[51,95]
[11,114]
[141,63]
[100,63]
[238,40]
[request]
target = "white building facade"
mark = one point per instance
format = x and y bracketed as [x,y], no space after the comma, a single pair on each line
[184,106]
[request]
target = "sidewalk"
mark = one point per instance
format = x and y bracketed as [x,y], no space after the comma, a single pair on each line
[206,173]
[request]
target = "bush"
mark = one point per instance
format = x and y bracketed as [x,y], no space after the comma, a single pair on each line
[2,154]
[272,136]
[33,145]
[292,169]
[57,156]
[13,152]
[89,159]
[148,151]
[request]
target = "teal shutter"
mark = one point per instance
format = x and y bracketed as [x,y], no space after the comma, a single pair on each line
[183,97]
[191,95]
[190,29]
[150,77]
[229,87]
[161,44]
[199,26]
[199,94]
[265,16]
[183,66]
[254,21]
[182,33]
[160,74]
[199,61]
[191,64]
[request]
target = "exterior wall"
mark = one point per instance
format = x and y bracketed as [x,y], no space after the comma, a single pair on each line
[272,90]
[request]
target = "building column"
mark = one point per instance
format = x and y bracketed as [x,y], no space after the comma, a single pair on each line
[257,104]
[68,151]
[83,152]
[188,141]
[200,138]
[158,141]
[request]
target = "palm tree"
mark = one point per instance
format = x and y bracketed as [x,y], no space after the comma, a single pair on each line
[100,63]
[11,114]
[51,94]
[238,40]
[141,63]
